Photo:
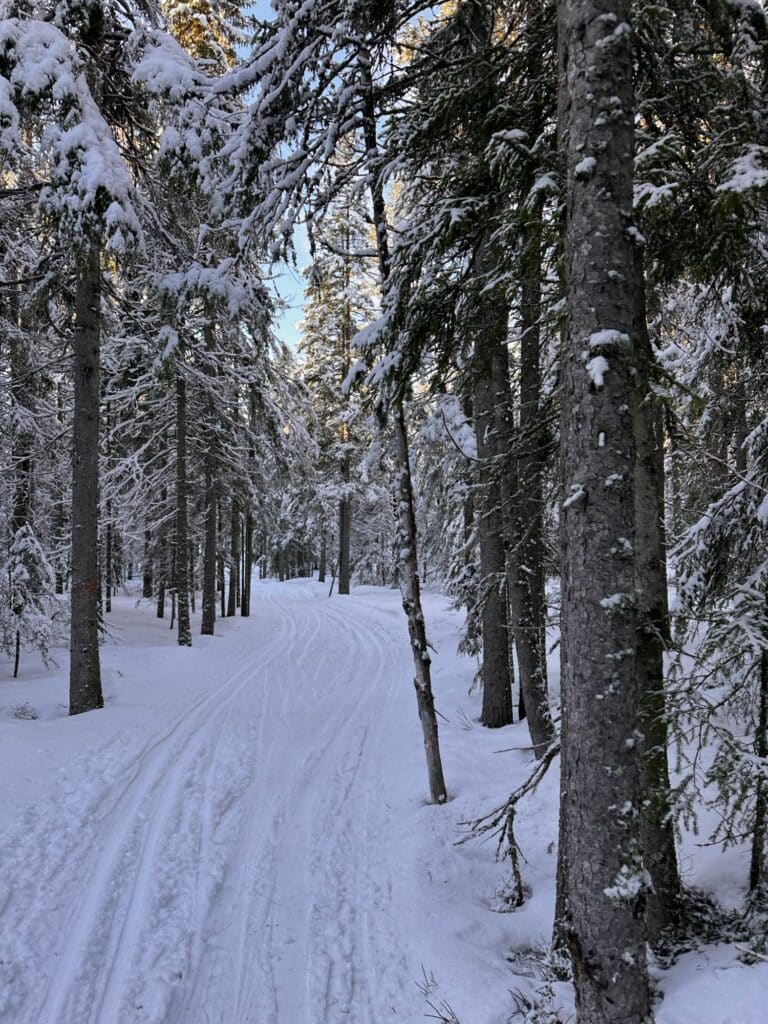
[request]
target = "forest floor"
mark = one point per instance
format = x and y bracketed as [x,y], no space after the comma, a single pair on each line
[242,835]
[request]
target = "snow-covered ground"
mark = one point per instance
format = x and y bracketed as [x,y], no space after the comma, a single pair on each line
[242,834]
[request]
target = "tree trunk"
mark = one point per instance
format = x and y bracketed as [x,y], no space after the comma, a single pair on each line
[527,541]
[234,558]
[245,606]
[108,560]
[192,580]
[345,536]
[323,557]
[560,924]
[220,556]
[146,580]
[490,341]
[209,551]
[163,580]
[411,593]
[606,889]
[22,377]
[758,882]
[658,836]
[172,582]
[407,535]
[85,671]
[61,511]
[182,526]
[22,396]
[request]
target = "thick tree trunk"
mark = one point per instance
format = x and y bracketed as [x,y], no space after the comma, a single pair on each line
[85,671]
[490,344]
[658,836]
[182,526]
[209,551]
[606,888]
[560,923]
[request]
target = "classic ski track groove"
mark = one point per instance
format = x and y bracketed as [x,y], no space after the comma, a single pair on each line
[277,919]
[163,782]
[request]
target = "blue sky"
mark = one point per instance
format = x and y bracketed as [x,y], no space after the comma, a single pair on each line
[287,280]
[289,285]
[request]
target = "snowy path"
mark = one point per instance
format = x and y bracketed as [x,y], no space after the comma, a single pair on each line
[241,835]
[227,869]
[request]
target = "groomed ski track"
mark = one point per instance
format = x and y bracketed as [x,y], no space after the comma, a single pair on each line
[229,866]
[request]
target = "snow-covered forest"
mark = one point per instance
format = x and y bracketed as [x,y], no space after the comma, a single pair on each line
[384,512]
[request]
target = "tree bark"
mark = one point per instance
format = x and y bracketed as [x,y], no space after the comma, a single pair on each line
[345,503]
[85,692]
[489,345]
[182,524]
[162,582]
[606,887]
[208,597]
[411,593]
[323,557]
[657,830]
[245,605]
[146,570]
[345,535]
[221,559]
[61,513]
[234,557]
[108,560]
[192,580]
[527,541]
[407,534]
[23,397]
[758,882]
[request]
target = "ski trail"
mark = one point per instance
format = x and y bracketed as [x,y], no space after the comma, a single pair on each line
[233,869]
[107,921]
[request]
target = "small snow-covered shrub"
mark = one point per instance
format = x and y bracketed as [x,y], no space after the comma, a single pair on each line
[25,712]
[28,605]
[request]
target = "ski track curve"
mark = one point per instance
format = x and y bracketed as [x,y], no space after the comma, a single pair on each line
[233,871]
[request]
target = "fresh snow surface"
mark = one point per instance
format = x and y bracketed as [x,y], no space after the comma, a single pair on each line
[242,834]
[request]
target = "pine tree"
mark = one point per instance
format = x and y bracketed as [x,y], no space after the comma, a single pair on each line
[605,877]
